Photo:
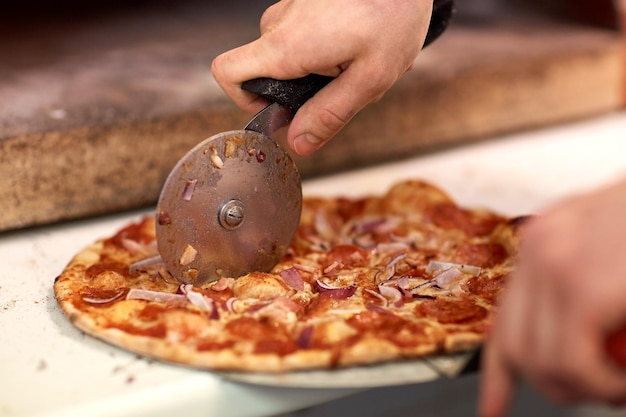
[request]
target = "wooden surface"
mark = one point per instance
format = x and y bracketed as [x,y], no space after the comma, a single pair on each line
[94,112]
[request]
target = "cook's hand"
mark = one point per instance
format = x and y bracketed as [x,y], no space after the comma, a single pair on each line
[366,44]
[568,294]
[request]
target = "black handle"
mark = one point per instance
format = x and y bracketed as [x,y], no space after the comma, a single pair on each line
[294,93]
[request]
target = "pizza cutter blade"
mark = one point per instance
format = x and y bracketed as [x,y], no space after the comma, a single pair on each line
[232,204]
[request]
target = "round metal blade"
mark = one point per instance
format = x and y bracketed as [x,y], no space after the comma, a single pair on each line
[229,207]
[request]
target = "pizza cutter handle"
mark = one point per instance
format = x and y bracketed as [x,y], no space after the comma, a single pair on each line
[288,93]
[294,93]
[616,347]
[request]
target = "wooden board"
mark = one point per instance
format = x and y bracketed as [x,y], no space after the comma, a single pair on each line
[95,111]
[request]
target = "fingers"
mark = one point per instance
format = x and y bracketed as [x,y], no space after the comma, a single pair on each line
[320,118]
[497,383]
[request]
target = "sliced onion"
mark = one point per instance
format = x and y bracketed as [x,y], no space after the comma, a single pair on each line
[144,264]
[149,295]
[364,241]
[221,284]
[322,226]
[136,247]
[405,284]
[231,305]
[368,225]
[447,278]
[115,296]
[338,293]
[379,296]
[377,308]
[466,269]
[293,278]
[195,297]
[189,189]
[305,336]
[390,269]
[392,294]
[189,255]
[305,268]
[392,247]
[332,268]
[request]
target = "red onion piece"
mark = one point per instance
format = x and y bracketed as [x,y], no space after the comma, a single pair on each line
[195,297]
[338,293]
[377,308]
[149,295]
[447,277]
[392,247]
[144,264]
[99,301]
[390,269]
[215,314]
[332,268]
[379,296]
[190,187]
[293,278]
[221,284]
[230,305]
[466,269]
[305,268]
[305,336]
[368,225]
[392,294]
[322,226]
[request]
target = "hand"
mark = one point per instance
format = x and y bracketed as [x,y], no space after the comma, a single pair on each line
[567,295]
[366,44]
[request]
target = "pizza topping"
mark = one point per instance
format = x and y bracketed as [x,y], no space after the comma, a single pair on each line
[392,294]
[100,297]
[138,247]
[322,226]
[164,218]
[189,255]
[486,255]
[338,293]
[293,277]
[377,295]
[221,284]
[194,297]
[159,296]
[439,265]
[215,159]
[190,187]
[455,311]
[144,264]
[305,268]
[347,256]
[304,337]
[260,285]
[390,269]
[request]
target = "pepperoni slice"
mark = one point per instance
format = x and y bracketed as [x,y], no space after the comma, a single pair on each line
[453,311]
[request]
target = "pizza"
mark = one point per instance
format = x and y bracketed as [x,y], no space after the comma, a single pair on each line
[367,280]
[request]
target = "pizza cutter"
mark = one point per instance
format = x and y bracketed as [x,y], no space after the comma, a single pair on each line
[232,204]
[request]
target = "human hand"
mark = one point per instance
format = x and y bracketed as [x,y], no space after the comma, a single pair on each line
[366,44]
[567,295]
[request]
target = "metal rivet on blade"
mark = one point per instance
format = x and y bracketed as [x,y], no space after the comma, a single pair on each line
[231,214]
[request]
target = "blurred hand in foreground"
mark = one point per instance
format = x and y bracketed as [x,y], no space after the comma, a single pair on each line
[567,296]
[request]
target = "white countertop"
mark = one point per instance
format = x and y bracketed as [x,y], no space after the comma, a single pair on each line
[48,368]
